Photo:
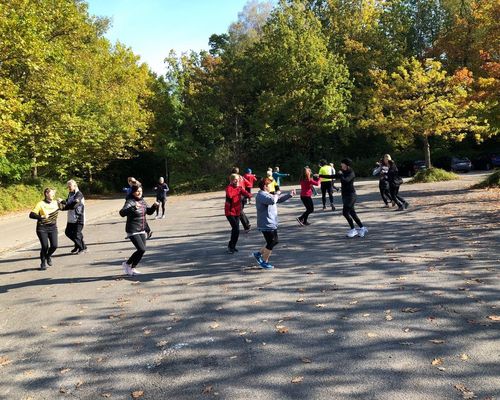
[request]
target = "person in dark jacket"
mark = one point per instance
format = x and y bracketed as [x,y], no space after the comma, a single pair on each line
[383,184]
[161,190]
[232,209]
[395,182]
[346,176]
[136,209]
[75,205]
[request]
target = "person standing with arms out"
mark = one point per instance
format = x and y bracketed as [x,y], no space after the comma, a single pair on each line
[267,220]
[161,190]
[75,205]
[346,176]
[395,181]
[136,209]
[250,178]
[232,209]
[326,183]
[277,175]
[383,184]
[306,185]
[45,212]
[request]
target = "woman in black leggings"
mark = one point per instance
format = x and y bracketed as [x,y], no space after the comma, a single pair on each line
[136,209]
[395,182]
[45,212]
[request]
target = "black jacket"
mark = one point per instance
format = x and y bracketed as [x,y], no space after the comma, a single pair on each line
[346,181]
[75,205]
[135,211]
[393,176]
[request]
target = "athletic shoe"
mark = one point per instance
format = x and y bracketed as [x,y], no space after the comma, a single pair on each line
[265,265]
[235,250]
[400,208]
[352,232]
[362,232]
[258,257]
[393,203]
[163,217]
[299,221]
[126,268]
[248,229]
[43,266]
[230,250]
[307,223]
[386,206]
[150,233]
[406,205]
[324,208]
[49,261]
[333,207]
[157,217]
[135,271]
[75,249]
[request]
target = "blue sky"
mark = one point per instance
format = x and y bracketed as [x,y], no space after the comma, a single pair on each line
[153,27]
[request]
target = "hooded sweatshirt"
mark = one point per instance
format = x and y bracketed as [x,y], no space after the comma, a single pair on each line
[267,210]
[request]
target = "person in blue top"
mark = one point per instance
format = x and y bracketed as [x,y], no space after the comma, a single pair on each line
[267,220]
[277,175]
[161,190]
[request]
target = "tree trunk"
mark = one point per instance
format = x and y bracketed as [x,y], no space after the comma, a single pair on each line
[34,169]
[90,175]
[427,152]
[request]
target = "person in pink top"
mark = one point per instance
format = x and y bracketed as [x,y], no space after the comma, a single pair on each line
[306,185]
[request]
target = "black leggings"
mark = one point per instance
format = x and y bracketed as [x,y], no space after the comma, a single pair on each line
[271,238]
[349,212]
[326,187]
[396,197]
[162,201]
[47,234]
[235,230]
[74,233]
[308,203]
[384,192]
[139,242]
[244,220]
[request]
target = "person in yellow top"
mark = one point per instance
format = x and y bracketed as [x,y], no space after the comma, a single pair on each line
[45,212]
[326,183]
[273,185]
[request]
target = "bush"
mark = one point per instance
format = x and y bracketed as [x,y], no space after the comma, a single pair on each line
[433,175]
[491,181]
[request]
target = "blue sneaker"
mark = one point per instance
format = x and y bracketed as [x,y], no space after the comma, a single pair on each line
[258,257]
[265,265]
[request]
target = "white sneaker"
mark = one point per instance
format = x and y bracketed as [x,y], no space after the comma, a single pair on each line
[352,232]
[362,231]
[135,271]
[163,217]
[126,268]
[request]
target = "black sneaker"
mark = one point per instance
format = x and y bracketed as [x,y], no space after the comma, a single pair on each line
[333,207]
[150,233]
[75,250]
[307,223]
[406,205]
[230,250]
[43,266]
[49,261]
[235,250]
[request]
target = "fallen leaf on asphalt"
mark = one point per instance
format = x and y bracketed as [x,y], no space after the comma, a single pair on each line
[281,329]
[301,290]
[214,325]
[297,379]
[29,372]
[256,302]
[437,341]
[65,370]
[441,368]
[301,300]
[248,340]
[394,259]
[389,317]
[137,394]
[107,395]
[466,393]
[437,361]
[353,302]
[161,343]
[320,305]
[406,329]
[410,310]
[311,273]
[464,357]
[371,335]
[63,390]
[306,360]
[4,360]
[330,331]
[207,389]
[147,332]
[78,384]
[366,315]
[494,317]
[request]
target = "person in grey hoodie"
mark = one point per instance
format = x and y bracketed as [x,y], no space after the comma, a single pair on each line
[267,220]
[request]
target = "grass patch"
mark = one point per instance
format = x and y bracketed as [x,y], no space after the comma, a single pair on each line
[491,181]
[433,175]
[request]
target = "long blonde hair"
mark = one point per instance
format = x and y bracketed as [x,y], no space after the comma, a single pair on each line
[306,174]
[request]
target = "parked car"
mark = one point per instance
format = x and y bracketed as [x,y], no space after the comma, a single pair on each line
[418,165]
[410,168]
[486,161]
[460,164]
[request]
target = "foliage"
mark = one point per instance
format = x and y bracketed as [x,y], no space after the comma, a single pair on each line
[433,175]
[491,181]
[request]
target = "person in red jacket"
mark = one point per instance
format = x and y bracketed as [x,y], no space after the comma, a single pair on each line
[250,178]
[306,189]
[243,183]
[232,209]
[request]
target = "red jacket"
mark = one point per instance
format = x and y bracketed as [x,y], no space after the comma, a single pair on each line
[306,187]
[233,200]
[251,178]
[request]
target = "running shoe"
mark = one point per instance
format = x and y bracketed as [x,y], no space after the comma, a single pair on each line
[135,271]
[299,221]
[75,249]
[333,207]
[49,261]
[324,208]
[362,231]
[406,205]
[265,265]
[126,268]
[400,208]
[386,206]
[258,257]
[163,216]
[230,250]
[43,266]
[150,233]
[248,229]
[352,233]
[306,223]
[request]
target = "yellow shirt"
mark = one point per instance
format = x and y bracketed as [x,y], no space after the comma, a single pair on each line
[325,170]
[48,212]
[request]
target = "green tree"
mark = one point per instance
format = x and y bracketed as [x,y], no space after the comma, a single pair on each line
[421,100]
